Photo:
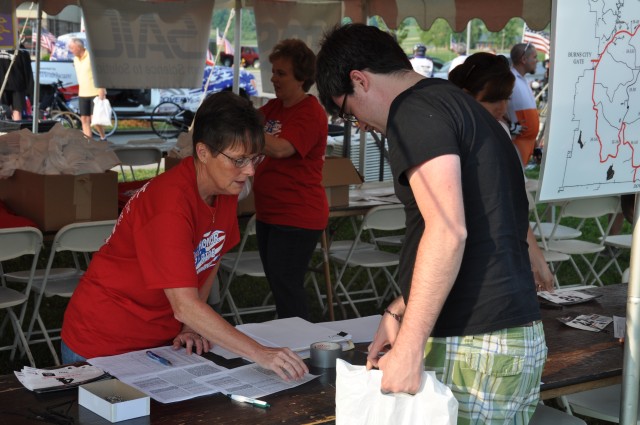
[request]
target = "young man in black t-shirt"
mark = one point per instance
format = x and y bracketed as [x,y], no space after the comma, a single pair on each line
[468,308]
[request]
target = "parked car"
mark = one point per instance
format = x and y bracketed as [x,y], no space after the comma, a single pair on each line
[249,56]
[443,72]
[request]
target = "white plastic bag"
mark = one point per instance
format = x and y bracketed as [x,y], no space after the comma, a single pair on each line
[360,402]
[101,112]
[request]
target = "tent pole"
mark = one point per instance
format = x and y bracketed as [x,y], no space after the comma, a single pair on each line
[631,364]
[237,49]
[35,107]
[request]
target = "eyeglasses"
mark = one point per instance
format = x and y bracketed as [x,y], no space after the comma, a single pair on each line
[342,114]
[245,160]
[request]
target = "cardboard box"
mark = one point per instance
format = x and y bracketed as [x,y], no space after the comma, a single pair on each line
[337,175]
[53,201]
[94,397]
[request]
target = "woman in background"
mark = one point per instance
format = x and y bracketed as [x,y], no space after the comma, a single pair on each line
[291,204]
[488,78]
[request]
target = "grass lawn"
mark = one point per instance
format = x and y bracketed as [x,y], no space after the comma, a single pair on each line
[249,291]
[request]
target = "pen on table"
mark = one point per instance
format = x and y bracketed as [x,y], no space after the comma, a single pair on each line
[253,401]
[157,358]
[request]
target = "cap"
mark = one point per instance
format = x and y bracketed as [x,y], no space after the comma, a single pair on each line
[420,49]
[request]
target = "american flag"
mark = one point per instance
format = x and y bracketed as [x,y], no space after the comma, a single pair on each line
[539,39]
[210,59]
[47,40]
[223,44]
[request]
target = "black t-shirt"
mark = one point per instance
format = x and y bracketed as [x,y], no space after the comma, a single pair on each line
[494,288]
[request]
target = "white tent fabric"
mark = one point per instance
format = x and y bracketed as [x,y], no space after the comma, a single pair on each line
[140,45]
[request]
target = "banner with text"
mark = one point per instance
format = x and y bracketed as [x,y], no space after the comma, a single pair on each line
[277,20]
[140,44]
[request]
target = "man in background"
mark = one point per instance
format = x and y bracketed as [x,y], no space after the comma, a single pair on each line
[461,50]
[522,108]
[420,62]
[87,89]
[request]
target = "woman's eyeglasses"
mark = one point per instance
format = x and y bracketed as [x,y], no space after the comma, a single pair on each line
[245,160]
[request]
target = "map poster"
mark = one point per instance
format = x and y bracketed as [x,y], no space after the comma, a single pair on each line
[593,125]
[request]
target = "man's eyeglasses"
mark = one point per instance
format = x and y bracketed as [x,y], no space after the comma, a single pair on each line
[245,160]
[344,115]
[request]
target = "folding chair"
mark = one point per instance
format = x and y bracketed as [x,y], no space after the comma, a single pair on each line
[388,218]
[137,156]
[585,209]
[84,237]
[551,257]
[545,415]
[601,403]
[15,243]
[615,245]
[242,263]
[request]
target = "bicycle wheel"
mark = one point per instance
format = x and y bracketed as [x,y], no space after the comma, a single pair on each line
[108,130]
[67,119]
[162,119]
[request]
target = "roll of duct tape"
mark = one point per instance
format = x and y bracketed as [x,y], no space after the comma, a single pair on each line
[324,354]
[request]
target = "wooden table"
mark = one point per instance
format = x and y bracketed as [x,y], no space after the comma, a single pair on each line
[580,360]
[309,404]
[577,360]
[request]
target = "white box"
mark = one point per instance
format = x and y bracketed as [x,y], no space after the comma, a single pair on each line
[93,397]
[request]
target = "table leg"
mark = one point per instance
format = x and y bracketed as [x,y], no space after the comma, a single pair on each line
[327,274]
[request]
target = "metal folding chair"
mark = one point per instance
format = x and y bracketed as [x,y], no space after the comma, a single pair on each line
[15,243]
[389,218]
[242,263]
[138,156]
[84,238]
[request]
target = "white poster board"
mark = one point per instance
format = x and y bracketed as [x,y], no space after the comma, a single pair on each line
[593,126]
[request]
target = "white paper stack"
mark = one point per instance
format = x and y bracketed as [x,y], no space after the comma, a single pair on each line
[42,380]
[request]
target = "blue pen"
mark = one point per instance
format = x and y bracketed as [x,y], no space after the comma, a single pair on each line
[157,358]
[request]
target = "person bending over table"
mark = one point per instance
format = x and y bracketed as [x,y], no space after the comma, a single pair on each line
[488,78]
[468,309]
[291,204]
[148,285]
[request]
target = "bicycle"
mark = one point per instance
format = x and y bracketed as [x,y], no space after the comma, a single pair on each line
[168,119]
[55,107]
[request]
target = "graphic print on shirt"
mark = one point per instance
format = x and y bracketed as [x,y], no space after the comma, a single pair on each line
[273,127]
[207,253]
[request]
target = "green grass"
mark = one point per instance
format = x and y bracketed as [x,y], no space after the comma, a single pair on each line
[250,291]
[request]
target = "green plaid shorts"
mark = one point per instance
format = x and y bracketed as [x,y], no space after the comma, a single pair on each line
[495,376]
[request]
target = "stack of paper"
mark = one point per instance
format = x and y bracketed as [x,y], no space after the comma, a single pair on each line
[565,297]
[188,376]
[587,322]
[42,380]
[294,332]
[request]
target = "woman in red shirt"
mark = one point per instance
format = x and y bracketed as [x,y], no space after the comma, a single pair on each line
[291,204]
[148,285]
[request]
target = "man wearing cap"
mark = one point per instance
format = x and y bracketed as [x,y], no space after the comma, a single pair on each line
[522,107]
[420,62]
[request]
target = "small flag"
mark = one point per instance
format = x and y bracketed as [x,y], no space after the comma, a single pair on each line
[47,40]
[209,60]
[539,40]
[223,43]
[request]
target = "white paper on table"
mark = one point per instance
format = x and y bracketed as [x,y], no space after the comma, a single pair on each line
[619,326]
[293,332]
[361,329]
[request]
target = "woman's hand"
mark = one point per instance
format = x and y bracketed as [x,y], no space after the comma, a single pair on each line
[284,362]
[191,340]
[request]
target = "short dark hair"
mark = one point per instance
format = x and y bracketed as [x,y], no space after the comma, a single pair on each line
[519,51]
[225,120]
[485,71]
[302,59]
[355,47]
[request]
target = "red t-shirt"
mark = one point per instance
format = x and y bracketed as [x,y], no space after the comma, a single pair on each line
[289,191]
[166,237]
